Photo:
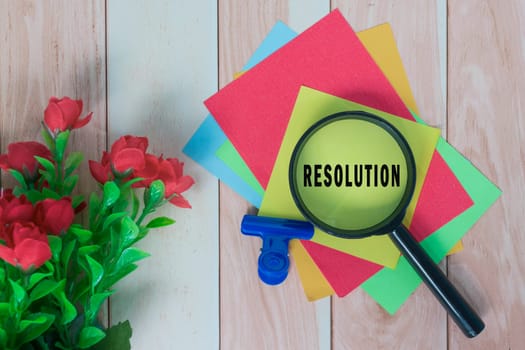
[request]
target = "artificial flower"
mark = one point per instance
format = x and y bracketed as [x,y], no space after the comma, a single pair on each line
[15,209]
[101,171]
[25,245]
[20,156]
[64,114]
[127,156]
[54,216]
[129,153]
[29,253]
[36,224]
[171,173]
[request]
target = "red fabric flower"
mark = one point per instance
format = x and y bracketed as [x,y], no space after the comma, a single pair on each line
[25,245]
[28,253]
[54,216]
[64,114]
[171,173]
[13,209]
[101,171]
[128,154]
[21,157]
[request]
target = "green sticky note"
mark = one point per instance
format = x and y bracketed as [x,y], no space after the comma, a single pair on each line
[229,155]
[391,287]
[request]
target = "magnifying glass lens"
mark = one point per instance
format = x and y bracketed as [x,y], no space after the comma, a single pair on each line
[350,174]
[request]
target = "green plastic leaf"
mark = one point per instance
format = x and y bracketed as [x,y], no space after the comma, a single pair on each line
[97,271]
[135,205]
[42,289]
[47,164]
[120,205]
[88,249]
[89,336]
[4,310]
[55,243]
[142,233]
[19,294]
[72,162]
[37,277]
[129,256]
[110,220]
[160,222]
[66,252]
[70,182]
[77,200]
[115,242]
[3,338]
[95,302]
[69,312]
[49,266]
[111,194]
[61,144]
[34,326]
[34,196]
[48,138]
[154,194]
[49,193]
[94,207]
[18,177]
[82,234]
[128,231]
[113,278]
[117,338]
[127,186]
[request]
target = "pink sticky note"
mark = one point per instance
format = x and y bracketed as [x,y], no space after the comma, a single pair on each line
[253,110]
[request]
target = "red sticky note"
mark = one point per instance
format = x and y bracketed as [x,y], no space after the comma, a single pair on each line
[441,196]
[254,109]
[344,272]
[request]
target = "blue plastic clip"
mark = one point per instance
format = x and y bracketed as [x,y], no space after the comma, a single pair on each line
[275,234]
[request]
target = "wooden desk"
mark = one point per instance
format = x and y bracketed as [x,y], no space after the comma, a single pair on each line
[144,67]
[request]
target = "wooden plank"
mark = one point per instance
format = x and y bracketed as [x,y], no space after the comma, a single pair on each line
[253,315]
[162,62]
[486,83]
[358,322]
[53,48]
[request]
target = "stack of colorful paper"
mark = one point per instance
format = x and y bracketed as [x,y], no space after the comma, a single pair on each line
[290,82]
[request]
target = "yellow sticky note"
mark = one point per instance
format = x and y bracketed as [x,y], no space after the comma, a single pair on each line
[456,249]
[312,105]
[314,283]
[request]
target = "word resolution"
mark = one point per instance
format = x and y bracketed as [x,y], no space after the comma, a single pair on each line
[351,175]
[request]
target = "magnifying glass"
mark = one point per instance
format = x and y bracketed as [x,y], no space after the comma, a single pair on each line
[352,174]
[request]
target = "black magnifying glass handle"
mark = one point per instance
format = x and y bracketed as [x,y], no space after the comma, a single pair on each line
[458,308]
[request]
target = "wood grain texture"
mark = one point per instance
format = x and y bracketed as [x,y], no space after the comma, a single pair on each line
[253,315]
[162,62]
[358,322]
[486,98]
[165,57]
[53,48]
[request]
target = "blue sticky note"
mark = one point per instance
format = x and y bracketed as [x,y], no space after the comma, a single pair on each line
[209,137]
